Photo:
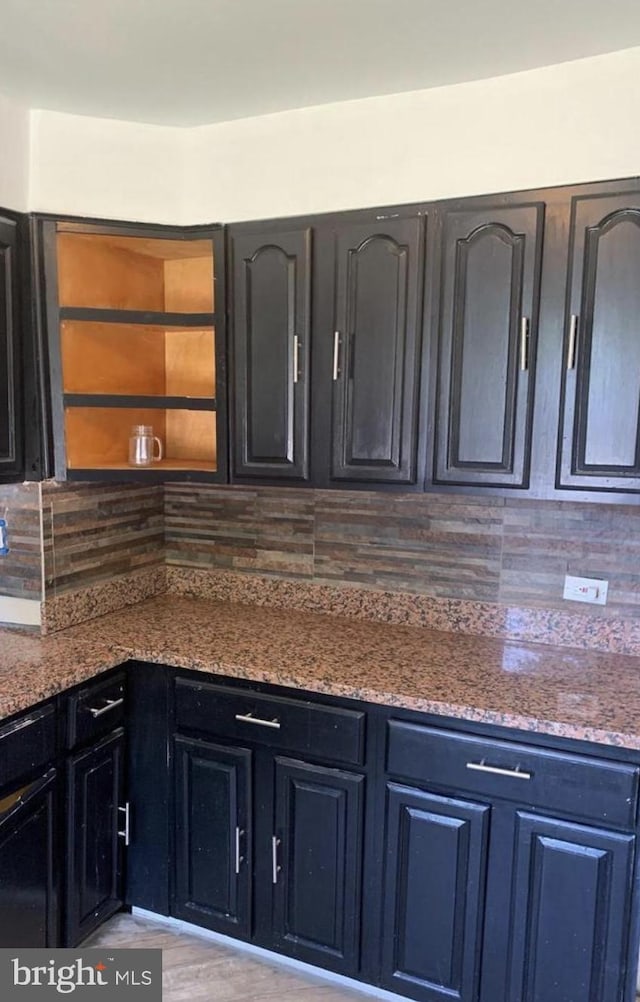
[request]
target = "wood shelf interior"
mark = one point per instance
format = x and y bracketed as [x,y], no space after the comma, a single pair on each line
[108,271]
[98,437]
[137,360]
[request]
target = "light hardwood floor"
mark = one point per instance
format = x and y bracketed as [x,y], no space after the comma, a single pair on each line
[198,970]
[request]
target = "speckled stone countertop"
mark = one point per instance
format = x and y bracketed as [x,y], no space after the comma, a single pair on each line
[535,687]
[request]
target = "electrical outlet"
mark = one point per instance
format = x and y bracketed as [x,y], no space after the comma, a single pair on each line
[592,590]
[4,538]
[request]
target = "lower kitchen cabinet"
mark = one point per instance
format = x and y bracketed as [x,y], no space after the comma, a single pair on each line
[213,836]
[317,863]
[97,815]
[571,889]
[435,874]
[29,862]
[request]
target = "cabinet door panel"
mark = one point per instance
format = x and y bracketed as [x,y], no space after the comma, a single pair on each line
[317,891]
[375,380]
[434,895]
[213,836]
[570,901]
[488,322]
[601,436]
[271,276]
[29,861]
[95,851]
[10,367]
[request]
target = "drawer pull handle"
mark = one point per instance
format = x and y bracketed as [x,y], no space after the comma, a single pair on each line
[496,770]
[248,718]
[109,705]
[275,869]
[239,858]
[125,834]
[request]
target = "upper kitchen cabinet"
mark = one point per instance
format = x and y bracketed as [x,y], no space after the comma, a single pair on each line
[135,319]
[600,440]
[11,422]
[374,399]
[489,287]
[270,346]
[325,319]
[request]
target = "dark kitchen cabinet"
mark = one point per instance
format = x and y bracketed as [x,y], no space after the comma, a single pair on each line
[436,862]
[376,340]
[270,345]
[487,334]
[600,437]
[269,847]
[11,375]
[213,836]
[571,890]
[488,898]
[317,863]
[97,832]
[29,864]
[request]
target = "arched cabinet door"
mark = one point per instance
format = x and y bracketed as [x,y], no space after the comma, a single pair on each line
[375,352]
[487,336]
[600,425]
[11,459]
[270,353]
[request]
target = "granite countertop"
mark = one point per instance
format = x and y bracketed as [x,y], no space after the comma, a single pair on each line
[535,687]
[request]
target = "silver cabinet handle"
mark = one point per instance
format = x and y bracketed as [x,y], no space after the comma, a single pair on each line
[125,834]
[336,355]
[109,705]
[497,770]
[524,344]
[239,858]
[573,341]
[275,869]
[248,718]
[296,358]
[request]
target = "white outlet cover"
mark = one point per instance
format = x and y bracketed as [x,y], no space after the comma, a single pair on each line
[590,590]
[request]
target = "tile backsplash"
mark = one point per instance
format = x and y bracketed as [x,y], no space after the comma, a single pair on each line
[485,565]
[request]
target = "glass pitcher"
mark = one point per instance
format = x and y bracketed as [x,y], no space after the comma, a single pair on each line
[142,446]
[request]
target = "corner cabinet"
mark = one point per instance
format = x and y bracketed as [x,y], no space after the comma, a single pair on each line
[11,419]
[600,428]
[136,323]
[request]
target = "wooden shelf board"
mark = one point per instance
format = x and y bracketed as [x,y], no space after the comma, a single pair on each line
[164,464]
[151,318]
[139,400]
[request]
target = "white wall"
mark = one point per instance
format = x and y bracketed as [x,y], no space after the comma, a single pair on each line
[571,122]
[100,167]
[14,155]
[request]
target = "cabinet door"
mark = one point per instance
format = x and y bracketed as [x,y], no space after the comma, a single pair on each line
[212,883]
[376,344]
[29,862]
[490,290]
[11,460]
[95,780]
[570,904]
[271,276]
[600,436]
[317,861]
[435,865]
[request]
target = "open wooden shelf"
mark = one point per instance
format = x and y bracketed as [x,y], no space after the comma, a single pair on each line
[143,360]
[112,271]
[98,437]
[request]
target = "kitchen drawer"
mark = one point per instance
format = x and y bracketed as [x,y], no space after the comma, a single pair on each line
[96,709]
[291,724]
[27,743]
[566,784]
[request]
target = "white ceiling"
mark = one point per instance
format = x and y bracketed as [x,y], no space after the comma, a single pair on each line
[189,62]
